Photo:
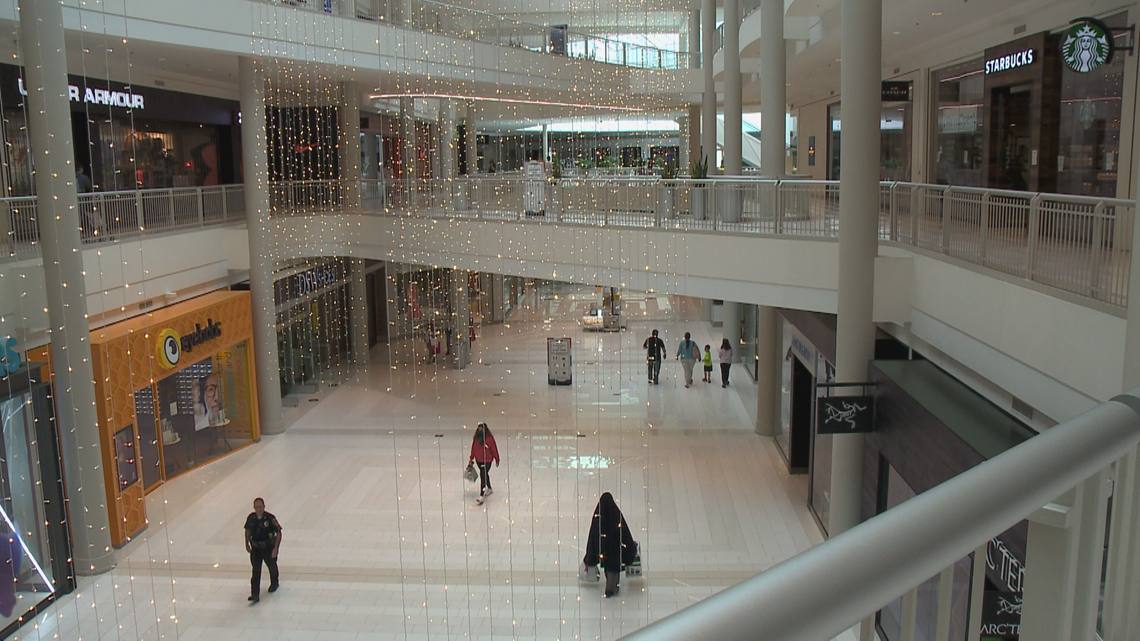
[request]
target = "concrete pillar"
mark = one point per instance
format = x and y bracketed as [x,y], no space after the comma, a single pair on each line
[706,310]
[358,295]
[733,108]
[448,163]
[694,134]
[768,373]
[731,316]
[694,43]
[472,140]
[460,319]
[545,143]
[1049,585]
[262,257]
[861,35]
[708,98]
[349,144]
[49,127]
[773,87]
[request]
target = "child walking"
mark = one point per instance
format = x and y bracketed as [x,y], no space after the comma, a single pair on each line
[708,363]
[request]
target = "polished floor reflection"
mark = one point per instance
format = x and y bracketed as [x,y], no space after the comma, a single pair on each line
[382,535]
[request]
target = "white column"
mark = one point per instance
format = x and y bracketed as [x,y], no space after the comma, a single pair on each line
[370,148]
[1090,556]
[1122,589]
[403,11]
[694,141]
[472,140]
[945,604]
[1050,570]
[731,315]
[909,615]
[408,146]
[768,373]
[858,240]
[683,144]
[1122,585]
[460,319]
[349,145]
[358,293]
[733,143]
[694,44]
[545,142]
[708,99]
[49,127]
[409,177]
[447,152]
[262,257]
[773,87]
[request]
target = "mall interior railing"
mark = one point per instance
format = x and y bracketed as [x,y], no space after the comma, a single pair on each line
[826,590]
[1078,244]
[462,23]
[107,216]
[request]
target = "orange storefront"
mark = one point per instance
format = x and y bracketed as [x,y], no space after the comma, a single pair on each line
[175,389]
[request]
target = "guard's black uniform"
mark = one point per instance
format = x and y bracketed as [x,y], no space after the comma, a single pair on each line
[263,533]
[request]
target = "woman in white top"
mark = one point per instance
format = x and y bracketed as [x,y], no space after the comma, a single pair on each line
[725,361]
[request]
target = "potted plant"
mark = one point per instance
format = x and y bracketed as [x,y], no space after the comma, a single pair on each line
[699,171]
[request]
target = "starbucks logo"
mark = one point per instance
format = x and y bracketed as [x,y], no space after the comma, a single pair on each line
[1087,46]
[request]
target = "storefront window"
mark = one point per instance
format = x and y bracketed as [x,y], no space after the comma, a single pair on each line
[204,410]
[17,154]
[154,154]
[1089,149]
[894,141]
[833,140]
[26,575]
[959,98]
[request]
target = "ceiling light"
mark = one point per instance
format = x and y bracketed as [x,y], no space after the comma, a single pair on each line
[935,13]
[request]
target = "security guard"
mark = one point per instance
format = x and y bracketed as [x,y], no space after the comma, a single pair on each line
[262,541]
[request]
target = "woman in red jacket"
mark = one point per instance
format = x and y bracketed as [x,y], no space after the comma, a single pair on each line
[483,452]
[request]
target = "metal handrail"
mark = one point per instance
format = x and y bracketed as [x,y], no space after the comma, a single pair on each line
[112,215]
[1078,244]
[827,589]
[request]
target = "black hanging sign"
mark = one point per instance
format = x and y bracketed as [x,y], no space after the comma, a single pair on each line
[845,414]
[896,91]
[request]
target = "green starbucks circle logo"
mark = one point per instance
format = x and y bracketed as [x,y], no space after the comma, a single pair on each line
[1087,45]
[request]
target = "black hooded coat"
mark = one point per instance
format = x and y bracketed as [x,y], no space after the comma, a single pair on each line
[610,543]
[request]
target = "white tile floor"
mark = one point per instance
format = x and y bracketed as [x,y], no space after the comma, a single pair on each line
[383,539]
